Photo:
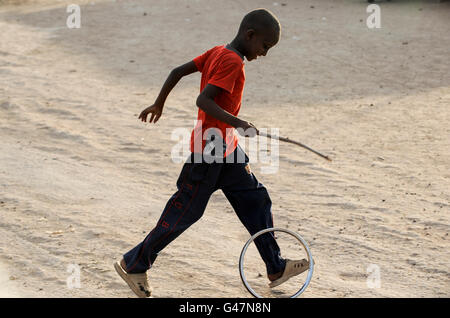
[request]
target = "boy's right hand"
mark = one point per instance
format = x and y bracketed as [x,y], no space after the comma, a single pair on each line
[155,110]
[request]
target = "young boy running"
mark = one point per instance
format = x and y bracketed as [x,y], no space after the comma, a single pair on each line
[219,102]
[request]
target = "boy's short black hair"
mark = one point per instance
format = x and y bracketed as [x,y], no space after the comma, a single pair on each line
[260,20]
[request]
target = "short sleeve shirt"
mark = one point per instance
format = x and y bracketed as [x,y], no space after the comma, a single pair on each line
[223,67]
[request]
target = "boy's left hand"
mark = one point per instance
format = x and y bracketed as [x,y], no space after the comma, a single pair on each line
[247,129]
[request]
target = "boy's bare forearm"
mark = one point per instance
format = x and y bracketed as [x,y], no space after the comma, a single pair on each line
[206,101]
[174,77]
[172,80]
[210,107]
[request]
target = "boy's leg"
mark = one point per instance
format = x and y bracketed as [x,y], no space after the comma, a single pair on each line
[195,185]
[252,204]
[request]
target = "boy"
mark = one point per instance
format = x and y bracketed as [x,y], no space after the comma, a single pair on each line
[222,84]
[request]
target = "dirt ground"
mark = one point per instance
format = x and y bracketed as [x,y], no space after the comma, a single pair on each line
[82,180]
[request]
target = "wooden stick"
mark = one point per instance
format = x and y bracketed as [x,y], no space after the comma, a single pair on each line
[293,142]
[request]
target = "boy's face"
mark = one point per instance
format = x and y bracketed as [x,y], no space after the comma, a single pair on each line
[259,44]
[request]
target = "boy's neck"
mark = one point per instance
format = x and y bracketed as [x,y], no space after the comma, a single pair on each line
[237,46]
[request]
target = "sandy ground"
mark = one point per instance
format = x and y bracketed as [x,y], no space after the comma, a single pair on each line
[82,180]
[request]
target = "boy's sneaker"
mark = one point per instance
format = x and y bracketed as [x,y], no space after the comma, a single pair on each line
[137,282]
[292,269]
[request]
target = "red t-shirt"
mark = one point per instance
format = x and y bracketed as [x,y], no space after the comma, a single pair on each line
[224,68]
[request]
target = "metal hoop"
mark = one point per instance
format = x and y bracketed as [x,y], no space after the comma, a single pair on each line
[302,242]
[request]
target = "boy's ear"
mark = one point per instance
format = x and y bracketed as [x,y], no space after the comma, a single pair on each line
[250,33]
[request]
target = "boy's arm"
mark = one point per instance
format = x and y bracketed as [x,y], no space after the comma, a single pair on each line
[174,77]
[205,102]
